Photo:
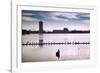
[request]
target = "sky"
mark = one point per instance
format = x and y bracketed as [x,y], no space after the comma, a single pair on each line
[55,20]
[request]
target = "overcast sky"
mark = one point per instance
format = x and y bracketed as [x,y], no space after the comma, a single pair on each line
[55,20]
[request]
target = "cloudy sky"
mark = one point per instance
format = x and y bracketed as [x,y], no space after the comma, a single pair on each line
[55,20]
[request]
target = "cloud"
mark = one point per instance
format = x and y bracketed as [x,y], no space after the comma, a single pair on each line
[29,19]
[65,15]
[55,16]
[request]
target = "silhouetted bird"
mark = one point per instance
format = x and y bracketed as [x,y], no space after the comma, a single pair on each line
[58,54]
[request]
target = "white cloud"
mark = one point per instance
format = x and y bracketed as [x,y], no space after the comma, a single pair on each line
[28,14]
[58,16]
[25,18]
[67,15]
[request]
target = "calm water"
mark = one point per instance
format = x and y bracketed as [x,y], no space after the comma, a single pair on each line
[35,53]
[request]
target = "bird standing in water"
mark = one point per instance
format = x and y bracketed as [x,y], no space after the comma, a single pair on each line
[58,54]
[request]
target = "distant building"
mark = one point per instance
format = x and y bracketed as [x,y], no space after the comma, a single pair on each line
[66,29]
[61,31]
[40,26]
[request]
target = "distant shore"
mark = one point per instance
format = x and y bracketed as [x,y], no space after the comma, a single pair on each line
[56,32]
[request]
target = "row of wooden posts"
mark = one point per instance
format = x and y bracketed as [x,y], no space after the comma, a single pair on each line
[56,43]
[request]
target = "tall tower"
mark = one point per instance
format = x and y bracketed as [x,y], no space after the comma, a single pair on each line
[41,34]
[40,26]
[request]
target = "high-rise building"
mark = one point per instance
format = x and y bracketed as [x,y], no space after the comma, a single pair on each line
[40,26]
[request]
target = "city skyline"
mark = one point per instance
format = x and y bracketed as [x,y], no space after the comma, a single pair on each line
[55,20]
[41,30]
[55,36]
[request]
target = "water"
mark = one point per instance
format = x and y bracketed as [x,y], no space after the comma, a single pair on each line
[36,53]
